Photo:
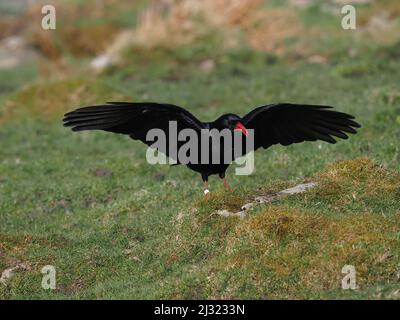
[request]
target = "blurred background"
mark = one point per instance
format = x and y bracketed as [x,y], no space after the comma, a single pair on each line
[128,40]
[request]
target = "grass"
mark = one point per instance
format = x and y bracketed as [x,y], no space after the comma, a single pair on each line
[116,227]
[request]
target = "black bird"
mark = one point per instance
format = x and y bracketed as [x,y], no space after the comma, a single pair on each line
[282,123]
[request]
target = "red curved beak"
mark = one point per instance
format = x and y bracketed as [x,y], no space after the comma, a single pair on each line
[241,127]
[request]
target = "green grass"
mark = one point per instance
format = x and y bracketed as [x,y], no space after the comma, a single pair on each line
[142,231]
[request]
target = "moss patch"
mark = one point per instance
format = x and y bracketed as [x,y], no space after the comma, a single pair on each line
[286,250]
[50,100]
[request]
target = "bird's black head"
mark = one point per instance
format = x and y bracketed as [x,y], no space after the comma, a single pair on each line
[230,121]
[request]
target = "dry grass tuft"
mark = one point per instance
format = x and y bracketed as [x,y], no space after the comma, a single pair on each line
[183,22]
[10,25]
[75,34]
[88,40]
[390,8]
[378,21]
[173,23]
[14,245]
[359,180]
[272,30]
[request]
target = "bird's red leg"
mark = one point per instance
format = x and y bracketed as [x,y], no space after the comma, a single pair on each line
[226,185]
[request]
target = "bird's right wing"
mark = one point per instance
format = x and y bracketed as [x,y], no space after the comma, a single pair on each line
[286,124]
[133,119]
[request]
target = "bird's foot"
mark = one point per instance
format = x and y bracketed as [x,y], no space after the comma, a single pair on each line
[206,191]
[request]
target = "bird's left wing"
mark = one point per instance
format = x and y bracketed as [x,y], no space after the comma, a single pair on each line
[286,124]
[133,119]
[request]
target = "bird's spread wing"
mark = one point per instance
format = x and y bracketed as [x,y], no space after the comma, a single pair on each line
[291,123]
[133,119]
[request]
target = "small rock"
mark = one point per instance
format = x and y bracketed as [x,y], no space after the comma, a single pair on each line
[299,188]
[226,213]
[267,199]
[247,206]
[9,272]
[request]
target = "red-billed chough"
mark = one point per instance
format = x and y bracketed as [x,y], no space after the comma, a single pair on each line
[282,123]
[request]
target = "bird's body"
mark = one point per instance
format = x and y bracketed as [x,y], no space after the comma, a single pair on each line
[208,169]
[283,124]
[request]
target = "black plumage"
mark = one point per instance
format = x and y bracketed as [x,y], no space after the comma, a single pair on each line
[283,124]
